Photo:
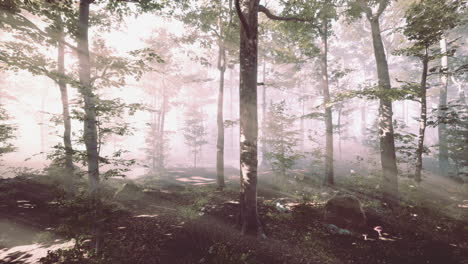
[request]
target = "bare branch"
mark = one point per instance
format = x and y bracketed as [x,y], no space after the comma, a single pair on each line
[242,19]
[267,12]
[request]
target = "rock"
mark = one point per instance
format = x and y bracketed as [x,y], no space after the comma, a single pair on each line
[284,205]
[129,192]
[345,211]
[336,230]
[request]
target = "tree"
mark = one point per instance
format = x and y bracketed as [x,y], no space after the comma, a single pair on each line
[442,127]
[281,139]
[426,23]
[214,19]
[248,16]
[7,133]
[194,131]
[21,54]
[323,13]
[386,136]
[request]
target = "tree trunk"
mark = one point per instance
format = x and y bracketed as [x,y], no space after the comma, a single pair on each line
[386,136]
[220,116]
[442,128]
[249,221]
[302,124]
[423,119]
[90,130]
[161,129]
[339,130]
[65,114]
[364,120]
[329,177]
[195,158]
[264,148]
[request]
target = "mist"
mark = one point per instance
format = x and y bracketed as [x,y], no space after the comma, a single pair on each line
[246,125]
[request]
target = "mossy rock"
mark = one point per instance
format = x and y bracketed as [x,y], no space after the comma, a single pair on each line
[129,192]
[345,211]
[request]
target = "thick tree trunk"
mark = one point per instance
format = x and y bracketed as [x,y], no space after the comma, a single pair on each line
[329,177]
[386,136]
[90,131]
[422,119]
[442,128]
[65,114]
[220,116]
[249,221]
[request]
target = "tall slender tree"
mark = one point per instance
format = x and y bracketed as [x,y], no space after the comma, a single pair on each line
[426,23]
[386,134]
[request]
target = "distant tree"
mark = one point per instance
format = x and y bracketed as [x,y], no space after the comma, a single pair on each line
[323,13]
[194,131]
[7,133]
[281,139]
[455,119]
[214,18]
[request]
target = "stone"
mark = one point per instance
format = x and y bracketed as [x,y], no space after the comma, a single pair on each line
[345,211]
[129,192]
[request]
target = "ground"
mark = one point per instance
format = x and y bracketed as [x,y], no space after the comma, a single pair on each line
[182,218]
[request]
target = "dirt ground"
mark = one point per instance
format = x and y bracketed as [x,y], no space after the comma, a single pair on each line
[183,219]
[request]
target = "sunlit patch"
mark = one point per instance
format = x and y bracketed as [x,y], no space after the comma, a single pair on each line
[378,229]
[386,239]
[26,206]
[121,227]
[196,180]
[464,204]
[30,254]
[201,178]
[149,216]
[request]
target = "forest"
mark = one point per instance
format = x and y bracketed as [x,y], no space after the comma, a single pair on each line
[233,131]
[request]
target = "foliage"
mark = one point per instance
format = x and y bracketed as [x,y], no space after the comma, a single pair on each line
[281,138]
[455,117]
[428,20]
[7,133]
[194,130]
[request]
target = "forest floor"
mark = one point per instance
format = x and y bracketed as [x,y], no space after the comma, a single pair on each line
[184,219]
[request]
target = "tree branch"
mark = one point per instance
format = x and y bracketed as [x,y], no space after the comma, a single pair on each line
[365,8]
[382,5]
[242,19]
[267,12]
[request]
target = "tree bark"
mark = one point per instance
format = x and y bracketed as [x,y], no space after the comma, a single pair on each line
[249,221]
[220,115]
[329,177]
[264,150]
[161,129]
[442,128]
[422,119]
[386,136]
[90,130]
[65,114]
[339,131]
